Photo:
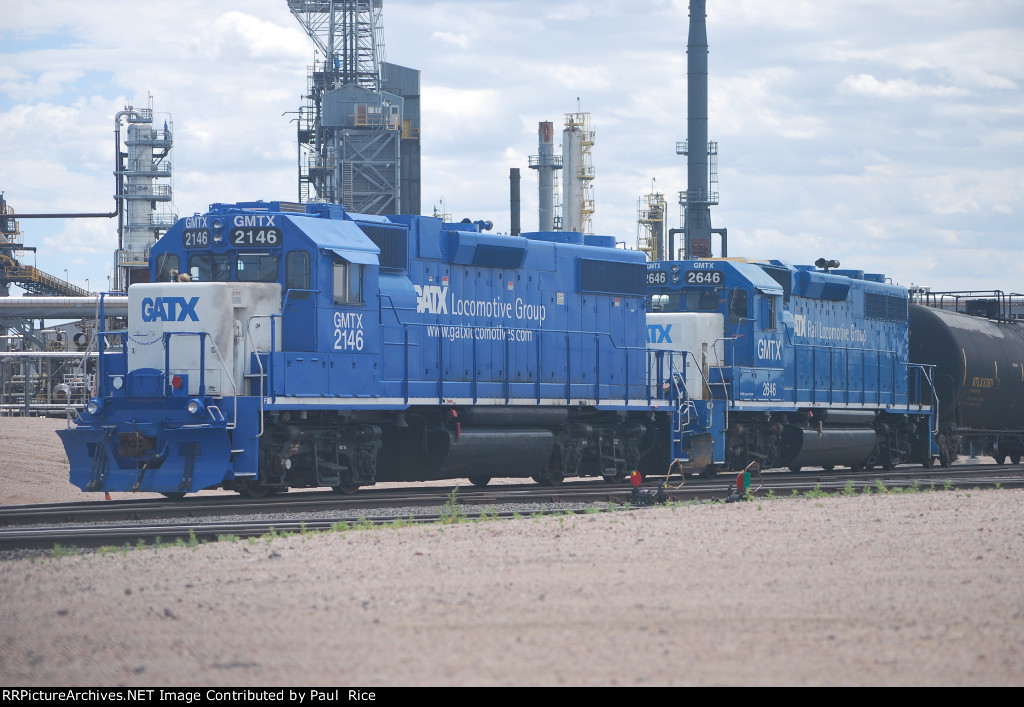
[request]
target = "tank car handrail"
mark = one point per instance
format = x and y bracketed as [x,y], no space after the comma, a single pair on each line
[927,370]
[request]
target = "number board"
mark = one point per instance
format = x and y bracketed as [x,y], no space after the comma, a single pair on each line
[196,238]
[657,277]
[255,237]
[704,277]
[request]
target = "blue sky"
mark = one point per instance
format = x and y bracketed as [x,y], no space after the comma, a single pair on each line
[887,135]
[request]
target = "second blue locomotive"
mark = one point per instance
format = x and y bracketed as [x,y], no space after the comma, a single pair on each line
[788,366]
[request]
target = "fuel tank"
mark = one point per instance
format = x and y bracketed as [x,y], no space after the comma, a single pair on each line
[979,367]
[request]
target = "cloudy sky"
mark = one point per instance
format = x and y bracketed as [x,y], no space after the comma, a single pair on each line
[888,135]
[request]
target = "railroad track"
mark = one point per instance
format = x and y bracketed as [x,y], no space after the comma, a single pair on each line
[207,518]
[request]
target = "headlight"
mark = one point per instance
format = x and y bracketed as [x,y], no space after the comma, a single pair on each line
[93,407]
[194,406]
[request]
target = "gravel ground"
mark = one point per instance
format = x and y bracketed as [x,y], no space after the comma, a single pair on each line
[908,589]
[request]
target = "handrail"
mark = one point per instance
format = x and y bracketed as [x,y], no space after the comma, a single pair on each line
[166,337]
[534,331]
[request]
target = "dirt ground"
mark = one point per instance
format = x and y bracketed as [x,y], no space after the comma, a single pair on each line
[895,589]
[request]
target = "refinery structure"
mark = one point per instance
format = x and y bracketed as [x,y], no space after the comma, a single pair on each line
[358,131]
[358,144]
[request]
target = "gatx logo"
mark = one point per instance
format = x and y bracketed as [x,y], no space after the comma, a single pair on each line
[431,298]
[169,309]
[659,334]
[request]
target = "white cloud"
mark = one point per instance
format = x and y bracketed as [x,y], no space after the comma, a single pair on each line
[868,85]
[452,39]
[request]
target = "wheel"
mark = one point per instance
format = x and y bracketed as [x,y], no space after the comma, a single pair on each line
[1015,458]
[828,467]
[795,468]
[929,462]
[173,495]
[480,481]
[346,489]
[615,478]
[1000,459]
[552,474]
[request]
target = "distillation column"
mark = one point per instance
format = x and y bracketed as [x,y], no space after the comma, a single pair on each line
[145,212]
[577,174]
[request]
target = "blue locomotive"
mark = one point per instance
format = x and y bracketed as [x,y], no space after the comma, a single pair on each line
[788,366]
[282,345]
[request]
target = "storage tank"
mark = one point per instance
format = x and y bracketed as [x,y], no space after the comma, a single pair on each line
[979,367]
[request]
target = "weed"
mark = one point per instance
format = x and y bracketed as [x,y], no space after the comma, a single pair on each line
[880,486]
[61,551]
[193,541]
[516,515]
[488,514]
[591,509]
[228,538]
[452,511]
[771,495]
[340,526]
[947,485]
[364,524]
[850,488]
[816,492]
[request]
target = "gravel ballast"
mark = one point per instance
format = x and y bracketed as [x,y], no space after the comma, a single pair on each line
[897,589]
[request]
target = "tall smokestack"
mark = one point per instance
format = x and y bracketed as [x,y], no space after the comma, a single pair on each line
[514,180]
[697,214]
[545,162]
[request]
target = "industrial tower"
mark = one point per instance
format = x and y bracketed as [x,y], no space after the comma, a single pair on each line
[651,212]
[702,156]
[578,173]
[145,211]
[546,162]
[358,132]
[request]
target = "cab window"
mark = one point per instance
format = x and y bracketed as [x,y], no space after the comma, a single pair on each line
[738,305]
[768,312]
[167,267]
[702,300]
[256,267]
[205,267]
[348,282]
[297,277]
